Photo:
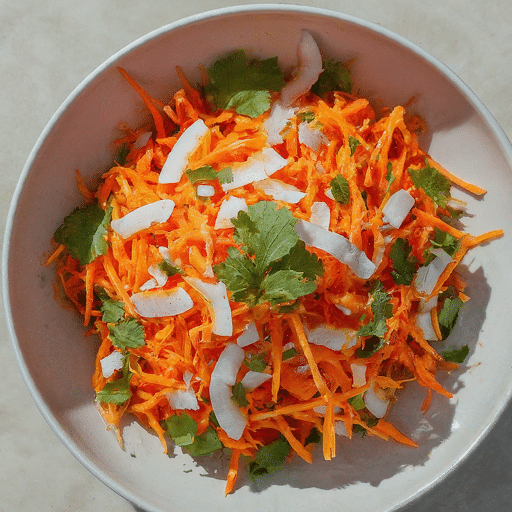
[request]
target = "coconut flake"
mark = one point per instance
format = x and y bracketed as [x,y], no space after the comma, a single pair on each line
[252,380]
[161,303]
[184,399]
[397,208]
[143,217]
[424,318]
[142,140]
[277,120]
[310,137]
[257,167]
[343,309]
[177,159]
[329,194]
[249,336]
[427,276]
[280,191]
[375,403]
[205,190]
[216,296]
[229,416]
[320,214]
[358,375]
[336,245]
[228,210]
[329,337]
[111,363]
[310,67]
[340,428]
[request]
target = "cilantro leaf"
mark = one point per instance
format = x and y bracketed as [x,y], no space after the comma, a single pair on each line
[382,310]
[314,437]
[256,362]
[272,264]
[182,429]
[118,391]
[390,177]
[306,117]
[269,458]
[113,311]
[432,182]
[169,269]
[243,84]
[285,285]
[334,77]
[288,354]
[372,344]
[353,142]
[357,402]
[127,333]
[340,189]
[445,241]
[122,153]
[205,443]
[208,173]
[456,355]
[83,232]
[403,268]
[448,315]
[238,395]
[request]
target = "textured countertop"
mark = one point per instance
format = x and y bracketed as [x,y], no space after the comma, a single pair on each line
[47,48]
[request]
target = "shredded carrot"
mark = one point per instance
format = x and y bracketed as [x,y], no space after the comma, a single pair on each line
[312,384]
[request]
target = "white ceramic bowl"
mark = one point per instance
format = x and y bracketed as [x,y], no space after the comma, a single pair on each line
[56,359]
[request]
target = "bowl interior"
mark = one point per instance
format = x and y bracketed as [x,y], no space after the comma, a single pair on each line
[56,357]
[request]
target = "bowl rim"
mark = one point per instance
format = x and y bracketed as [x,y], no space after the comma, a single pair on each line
[43,408]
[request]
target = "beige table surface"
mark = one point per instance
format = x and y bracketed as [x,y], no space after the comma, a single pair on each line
[47,48]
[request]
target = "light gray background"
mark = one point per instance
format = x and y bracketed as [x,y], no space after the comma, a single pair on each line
[47,48]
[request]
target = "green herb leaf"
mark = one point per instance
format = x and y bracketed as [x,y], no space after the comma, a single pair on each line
[169,269]
[334,77]
[448,315]
[340,189]
[353,143]
[272,264]
[445,241]
[256,362]
[390,177]
[306,117]
[205,443]
[182,429]
[381,309]
[403,267]
[118,391]
[371,345]
[127,333]
[208,173]
[238,395]
[269,458]
[122,153]
[83,232]
[357,402]
[113,311]
[243,84]
[288,354]
[456,355]
[314,437]
[435,185]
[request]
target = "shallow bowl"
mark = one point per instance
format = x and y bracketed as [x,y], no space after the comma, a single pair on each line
[56,358]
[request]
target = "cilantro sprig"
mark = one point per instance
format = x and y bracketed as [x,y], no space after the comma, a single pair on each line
[183,431]
[340,189]
[334,77]
[84,231]
[269,458]
[118,391]
[404,266]
[272,264]
[376,328]
[435,185]
[243,84]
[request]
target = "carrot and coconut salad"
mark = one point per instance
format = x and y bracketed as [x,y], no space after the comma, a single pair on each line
[267,264]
